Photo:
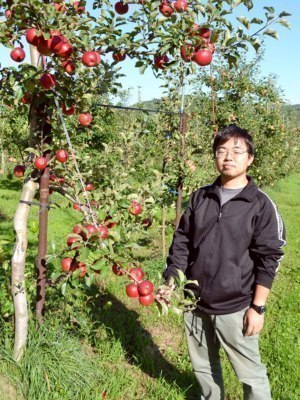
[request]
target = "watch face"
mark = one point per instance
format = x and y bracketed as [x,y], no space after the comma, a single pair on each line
[259,309]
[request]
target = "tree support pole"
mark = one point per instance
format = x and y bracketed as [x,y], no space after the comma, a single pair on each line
[182,130]
[42,246]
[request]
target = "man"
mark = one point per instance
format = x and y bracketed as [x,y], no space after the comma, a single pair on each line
[230,240]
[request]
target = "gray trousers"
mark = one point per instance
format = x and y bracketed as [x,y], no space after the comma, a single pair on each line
[205,334]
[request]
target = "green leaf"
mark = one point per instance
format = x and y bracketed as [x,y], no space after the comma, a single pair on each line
[284,14]
[271,33]
[181,276]
[245,21]
[99,265]
[84,253]
[177,311]
[63,288]
[285,23]
[257,21]
[271,10]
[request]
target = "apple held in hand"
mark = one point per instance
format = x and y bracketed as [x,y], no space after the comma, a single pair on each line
[18,54]
[147,300]
[135,208]
[132,290]
[136,274]
[117,270]
[62,155]
[145,288]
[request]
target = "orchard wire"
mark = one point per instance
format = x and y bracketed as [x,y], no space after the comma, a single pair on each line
[76,165]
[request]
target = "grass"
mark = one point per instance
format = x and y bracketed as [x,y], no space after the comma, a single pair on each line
[112,348]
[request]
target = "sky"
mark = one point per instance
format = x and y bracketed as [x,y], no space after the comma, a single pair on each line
[281,57]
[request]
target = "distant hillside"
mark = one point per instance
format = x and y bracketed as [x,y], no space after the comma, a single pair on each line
[293,111]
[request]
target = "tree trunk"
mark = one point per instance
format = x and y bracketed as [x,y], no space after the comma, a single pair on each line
[18,269]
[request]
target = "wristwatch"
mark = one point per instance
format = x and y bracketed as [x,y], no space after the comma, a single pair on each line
[259,309]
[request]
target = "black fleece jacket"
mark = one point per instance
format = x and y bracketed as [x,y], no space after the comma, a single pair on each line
[227,249]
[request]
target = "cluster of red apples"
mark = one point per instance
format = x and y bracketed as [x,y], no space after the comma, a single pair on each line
[201,54]
[57,45]
[139,289]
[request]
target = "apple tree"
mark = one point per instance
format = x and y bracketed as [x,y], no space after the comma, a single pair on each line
[74,61]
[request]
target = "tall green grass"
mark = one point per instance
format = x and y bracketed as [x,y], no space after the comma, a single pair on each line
[104,343]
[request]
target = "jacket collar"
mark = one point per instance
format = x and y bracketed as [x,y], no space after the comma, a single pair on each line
[248,193]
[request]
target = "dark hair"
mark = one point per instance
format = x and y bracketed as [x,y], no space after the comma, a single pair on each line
[231,131]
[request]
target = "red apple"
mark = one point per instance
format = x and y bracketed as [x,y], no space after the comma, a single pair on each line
[77,229]
[54,43]
[145,288]
[48,81]
[76,207]
[85,119]
[160,61]
[91,229]
[62,155]
[27,98]
[166,9]
[72,240]
[9,14]
[204,32]
[187,53]
[103,231]
[180,6]
[60,7]
[121,8]
[19,171]
[82,267]
[43,48]
[69,66]
[67,264]
[18,54]
[117,270]
[89,187]
[40,163]
[65,50]
[33,36]
[137,274]
[147,222]
[68,111]
[91,58]
[146,300]
[132,290]
[79,8]
[119,56]
[135,208]
[203,57]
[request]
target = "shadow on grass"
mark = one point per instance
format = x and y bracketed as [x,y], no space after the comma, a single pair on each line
[122,324]
[11,184]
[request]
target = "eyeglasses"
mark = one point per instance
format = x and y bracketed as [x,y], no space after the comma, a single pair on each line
[235,153]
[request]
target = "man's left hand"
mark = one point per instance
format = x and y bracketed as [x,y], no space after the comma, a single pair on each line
[253,322]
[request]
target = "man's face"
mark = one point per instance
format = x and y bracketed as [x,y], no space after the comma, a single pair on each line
[232,158]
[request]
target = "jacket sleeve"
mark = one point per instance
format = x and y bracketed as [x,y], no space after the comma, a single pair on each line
[179,250]
[268,240]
